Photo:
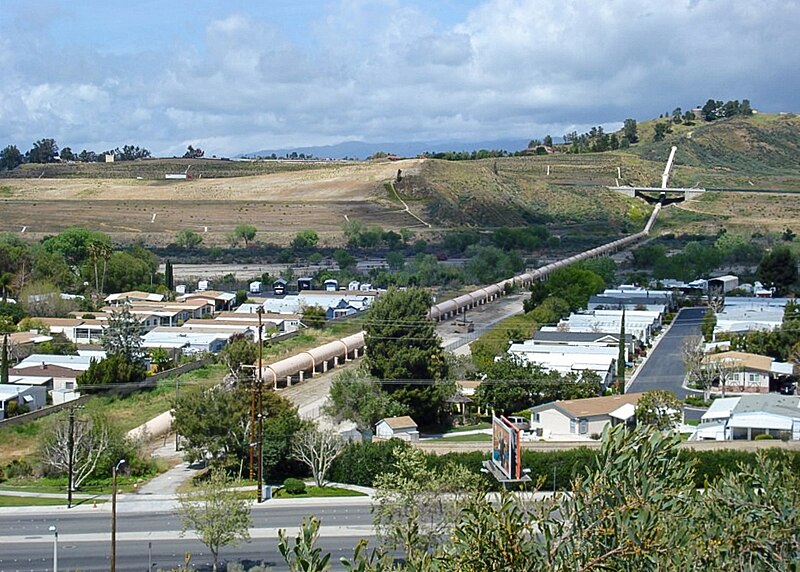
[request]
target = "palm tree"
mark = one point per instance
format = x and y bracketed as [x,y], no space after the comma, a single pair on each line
[6,278]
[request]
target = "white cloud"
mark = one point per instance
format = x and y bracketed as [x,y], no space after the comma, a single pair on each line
[388,70]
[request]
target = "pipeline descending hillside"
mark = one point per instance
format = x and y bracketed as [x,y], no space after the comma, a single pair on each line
[319,359]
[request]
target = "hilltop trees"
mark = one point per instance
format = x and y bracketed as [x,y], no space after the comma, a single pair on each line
[630,131]
[10,158]
[43,151]
[713,110]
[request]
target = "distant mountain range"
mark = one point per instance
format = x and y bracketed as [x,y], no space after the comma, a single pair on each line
[362,150]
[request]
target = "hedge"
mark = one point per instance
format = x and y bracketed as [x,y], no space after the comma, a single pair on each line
[362,462]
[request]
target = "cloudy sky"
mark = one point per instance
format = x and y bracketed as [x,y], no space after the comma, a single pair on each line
[235,76]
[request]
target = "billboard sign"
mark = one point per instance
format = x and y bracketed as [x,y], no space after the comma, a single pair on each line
[506,451]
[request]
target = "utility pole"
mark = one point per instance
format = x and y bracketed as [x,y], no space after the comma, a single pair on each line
[71,455]
[114,514]
[177,437]
[260,382]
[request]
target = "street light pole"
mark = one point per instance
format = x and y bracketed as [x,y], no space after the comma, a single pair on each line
[114,514]
[54,530]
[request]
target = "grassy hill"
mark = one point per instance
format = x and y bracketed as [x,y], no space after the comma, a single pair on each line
[758,152]
[568,192]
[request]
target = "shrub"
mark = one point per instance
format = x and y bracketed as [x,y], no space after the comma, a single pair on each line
[18,468]
[294,486]
[763,437]
[360,463]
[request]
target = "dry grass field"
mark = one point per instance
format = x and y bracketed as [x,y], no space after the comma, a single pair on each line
[277,204]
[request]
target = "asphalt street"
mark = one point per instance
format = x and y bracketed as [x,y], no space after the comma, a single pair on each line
[664,368]
[84,537]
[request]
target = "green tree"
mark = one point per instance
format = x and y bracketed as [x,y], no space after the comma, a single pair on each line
[4,364]
[43,151]
[125,271]
[216,513]
[114,370]
[510,384]
[188,239]
[405,350]
[238,354]
[160,358]
[344,259]
[575,285]
[712,110]
[660,409]
[245,232]
[660,131]
[215,425]
[313,316]
[169,279]
[630,131]
[6,279]
[122,336]
[305,239]
[10,158]
[415,506]
[73,244]
[356,396]
[778,268]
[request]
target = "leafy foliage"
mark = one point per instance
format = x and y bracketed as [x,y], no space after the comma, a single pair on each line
[404,348]
[215,424]
[113,370]
[356,396]
[216,514]
[510,385]
[122,337]
[636,508]
[659,409]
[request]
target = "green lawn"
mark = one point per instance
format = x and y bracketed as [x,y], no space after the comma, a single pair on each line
[472,438]
[6,501]
[315,492]
[461,428]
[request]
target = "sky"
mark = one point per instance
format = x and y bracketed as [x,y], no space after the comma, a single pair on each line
[237,76]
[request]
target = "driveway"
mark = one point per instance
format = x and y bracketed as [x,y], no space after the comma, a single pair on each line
[663,368]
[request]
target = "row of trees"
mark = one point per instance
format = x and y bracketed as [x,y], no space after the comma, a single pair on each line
[47,151]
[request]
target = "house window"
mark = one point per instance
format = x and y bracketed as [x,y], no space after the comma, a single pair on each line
[584,426]
[573,425]
[69,385]
[536,418]
[753,378]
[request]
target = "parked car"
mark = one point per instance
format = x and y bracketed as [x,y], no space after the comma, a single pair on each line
[788,388]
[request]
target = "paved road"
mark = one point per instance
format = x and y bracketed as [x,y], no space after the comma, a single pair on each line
[84,537]
[663,368]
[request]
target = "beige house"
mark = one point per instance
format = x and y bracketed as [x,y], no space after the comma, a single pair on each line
[397,428]
[750,373]
[578,419]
